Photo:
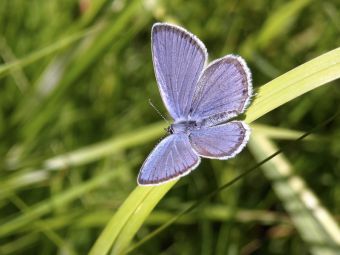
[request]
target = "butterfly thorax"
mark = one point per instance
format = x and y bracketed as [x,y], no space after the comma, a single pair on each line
[183,127]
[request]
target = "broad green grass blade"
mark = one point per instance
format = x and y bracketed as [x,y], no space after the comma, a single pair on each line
[127,219]
[143,210]
[315,224]
[294,83]
[298,81]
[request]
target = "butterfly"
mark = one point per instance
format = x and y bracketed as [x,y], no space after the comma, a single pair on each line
[201,99]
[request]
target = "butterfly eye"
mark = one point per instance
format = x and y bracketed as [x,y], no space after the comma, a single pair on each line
[169,130]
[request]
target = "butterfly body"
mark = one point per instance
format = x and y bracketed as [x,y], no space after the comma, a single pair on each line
[184,127]
[201,99]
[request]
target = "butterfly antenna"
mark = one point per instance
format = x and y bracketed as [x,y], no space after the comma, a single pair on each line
[159,113]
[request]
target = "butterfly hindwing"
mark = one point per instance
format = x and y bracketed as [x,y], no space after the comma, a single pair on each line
[173,157]
[222,142]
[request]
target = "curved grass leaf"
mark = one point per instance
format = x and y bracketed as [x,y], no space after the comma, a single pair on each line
[127,217]
[294,83]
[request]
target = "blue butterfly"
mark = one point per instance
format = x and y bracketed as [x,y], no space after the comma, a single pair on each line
[200,98]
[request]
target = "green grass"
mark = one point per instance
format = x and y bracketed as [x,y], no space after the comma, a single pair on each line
[75,126]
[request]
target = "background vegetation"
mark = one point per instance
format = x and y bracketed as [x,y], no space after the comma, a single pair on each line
[75,126]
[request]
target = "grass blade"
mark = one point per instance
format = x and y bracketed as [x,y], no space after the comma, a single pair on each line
[295,83]
[129,218]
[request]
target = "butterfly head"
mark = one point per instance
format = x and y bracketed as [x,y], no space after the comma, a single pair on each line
[169,130]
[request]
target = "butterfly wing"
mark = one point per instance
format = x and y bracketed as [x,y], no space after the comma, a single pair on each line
[222,141]
[178,59]
[223,90]
[173,157]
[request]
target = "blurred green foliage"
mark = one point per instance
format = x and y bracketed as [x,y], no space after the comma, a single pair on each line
[76,76]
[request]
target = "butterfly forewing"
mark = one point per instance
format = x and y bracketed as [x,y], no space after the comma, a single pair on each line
[173,157]
[223,91]
[222,141]
[178,58]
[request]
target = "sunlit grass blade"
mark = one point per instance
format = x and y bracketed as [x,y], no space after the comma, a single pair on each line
[129,218]
[296,82]
[315,224]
